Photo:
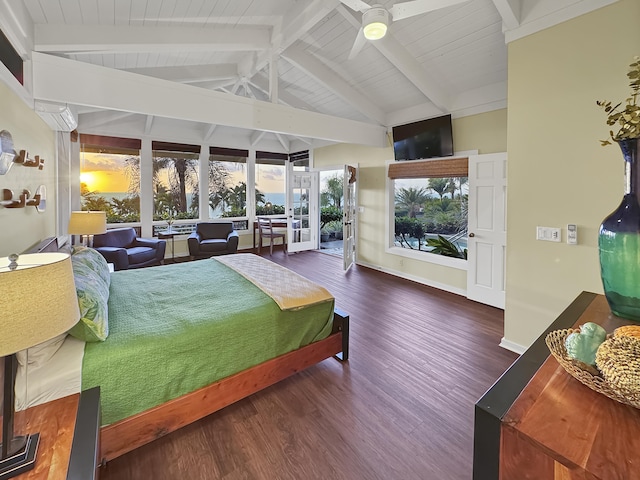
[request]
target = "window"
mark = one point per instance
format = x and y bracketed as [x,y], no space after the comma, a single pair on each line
[175,181]
[270,183]
[110,177]
[430,200]
[227,182]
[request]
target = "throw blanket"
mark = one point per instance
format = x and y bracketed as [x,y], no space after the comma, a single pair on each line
[176,328]
[288,289]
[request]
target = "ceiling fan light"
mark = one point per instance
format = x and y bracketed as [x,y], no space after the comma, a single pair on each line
[375,22]
[375,30]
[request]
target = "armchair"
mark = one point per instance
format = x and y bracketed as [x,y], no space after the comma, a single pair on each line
[211,239]
[121,247]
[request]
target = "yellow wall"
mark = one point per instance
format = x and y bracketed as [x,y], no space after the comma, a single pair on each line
[20,228]
[485,132]
[557,171]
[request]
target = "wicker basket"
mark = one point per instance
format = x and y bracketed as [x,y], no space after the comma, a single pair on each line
[587,374]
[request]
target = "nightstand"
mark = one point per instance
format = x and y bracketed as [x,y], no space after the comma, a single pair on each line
[69,437]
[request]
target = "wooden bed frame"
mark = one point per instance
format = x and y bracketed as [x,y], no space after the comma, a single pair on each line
[138,430]
[133,432]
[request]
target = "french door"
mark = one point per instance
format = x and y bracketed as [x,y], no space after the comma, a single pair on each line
[349,215]
[302,210]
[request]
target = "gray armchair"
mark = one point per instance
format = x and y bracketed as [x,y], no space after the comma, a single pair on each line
[121,247]
[211,239]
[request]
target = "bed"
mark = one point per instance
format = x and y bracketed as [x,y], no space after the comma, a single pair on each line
[225,328]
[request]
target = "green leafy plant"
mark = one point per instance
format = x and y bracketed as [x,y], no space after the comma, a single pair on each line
[329,214]
[627,118]
[407,228]
[442,246]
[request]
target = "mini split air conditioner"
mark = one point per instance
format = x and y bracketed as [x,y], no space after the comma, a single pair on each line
[57,115]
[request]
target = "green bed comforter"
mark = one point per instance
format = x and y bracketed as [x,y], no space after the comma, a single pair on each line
[176,328]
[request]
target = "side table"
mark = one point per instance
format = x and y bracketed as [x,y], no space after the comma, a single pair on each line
[169,234]
[69,437]
[538,422]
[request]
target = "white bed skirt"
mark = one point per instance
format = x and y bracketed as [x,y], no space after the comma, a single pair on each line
[59,377]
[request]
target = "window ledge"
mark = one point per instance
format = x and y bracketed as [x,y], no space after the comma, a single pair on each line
[427,257]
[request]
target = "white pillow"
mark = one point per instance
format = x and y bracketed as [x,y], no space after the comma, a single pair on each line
[42,353]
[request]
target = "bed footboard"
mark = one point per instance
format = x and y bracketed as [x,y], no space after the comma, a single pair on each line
[133,432]
[341,324]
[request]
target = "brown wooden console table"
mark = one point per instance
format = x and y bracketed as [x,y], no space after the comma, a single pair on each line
[538,422]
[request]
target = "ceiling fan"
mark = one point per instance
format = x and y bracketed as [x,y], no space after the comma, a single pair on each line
[376,18]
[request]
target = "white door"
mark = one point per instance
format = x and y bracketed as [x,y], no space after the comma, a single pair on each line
[302,210]
[487,228]
[349,216]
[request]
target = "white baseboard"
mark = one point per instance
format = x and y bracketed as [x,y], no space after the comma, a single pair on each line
[514,347]
[428,283]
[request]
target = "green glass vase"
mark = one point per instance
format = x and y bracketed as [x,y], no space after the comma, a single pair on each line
[619,242]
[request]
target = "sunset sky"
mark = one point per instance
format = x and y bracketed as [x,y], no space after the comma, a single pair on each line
[105,173]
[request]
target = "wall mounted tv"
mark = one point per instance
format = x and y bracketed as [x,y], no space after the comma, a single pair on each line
[424,139]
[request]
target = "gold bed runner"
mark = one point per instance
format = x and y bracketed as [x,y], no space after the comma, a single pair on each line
[288,289]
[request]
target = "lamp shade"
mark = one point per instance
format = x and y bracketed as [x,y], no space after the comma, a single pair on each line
[39,300]
[87,223]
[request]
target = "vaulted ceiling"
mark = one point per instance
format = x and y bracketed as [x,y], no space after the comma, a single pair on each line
[290,53]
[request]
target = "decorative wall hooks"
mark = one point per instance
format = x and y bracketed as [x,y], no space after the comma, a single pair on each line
[41,191]
[24,199]
[23,158]
[7,153]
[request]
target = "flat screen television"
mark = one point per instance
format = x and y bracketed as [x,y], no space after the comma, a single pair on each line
[424,139]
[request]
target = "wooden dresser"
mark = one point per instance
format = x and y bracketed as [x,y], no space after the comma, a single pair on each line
[537,422]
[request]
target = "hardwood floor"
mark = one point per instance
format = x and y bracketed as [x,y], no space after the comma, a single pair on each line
[400,408]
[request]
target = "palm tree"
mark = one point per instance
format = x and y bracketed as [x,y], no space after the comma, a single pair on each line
[411,198]
[333,191]
[439,185]
[183,174]
[456,184]
[220,198]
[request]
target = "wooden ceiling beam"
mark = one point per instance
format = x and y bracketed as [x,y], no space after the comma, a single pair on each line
[316,69]
[283,141]
[256,137]
[295,24]
[509,10]
[400,58]
[284,97]
[77,83]
[190,73]
[209,133]
[88,39]
[148,124]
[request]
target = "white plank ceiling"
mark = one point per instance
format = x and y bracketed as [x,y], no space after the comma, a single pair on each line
[293,53]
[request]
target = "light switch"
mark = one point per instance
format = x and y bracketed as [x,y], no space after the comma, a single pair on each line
[549,234]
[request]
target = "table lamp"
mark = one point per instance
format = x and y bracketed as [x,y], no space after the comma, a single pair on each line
[39,302]
[87,224]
